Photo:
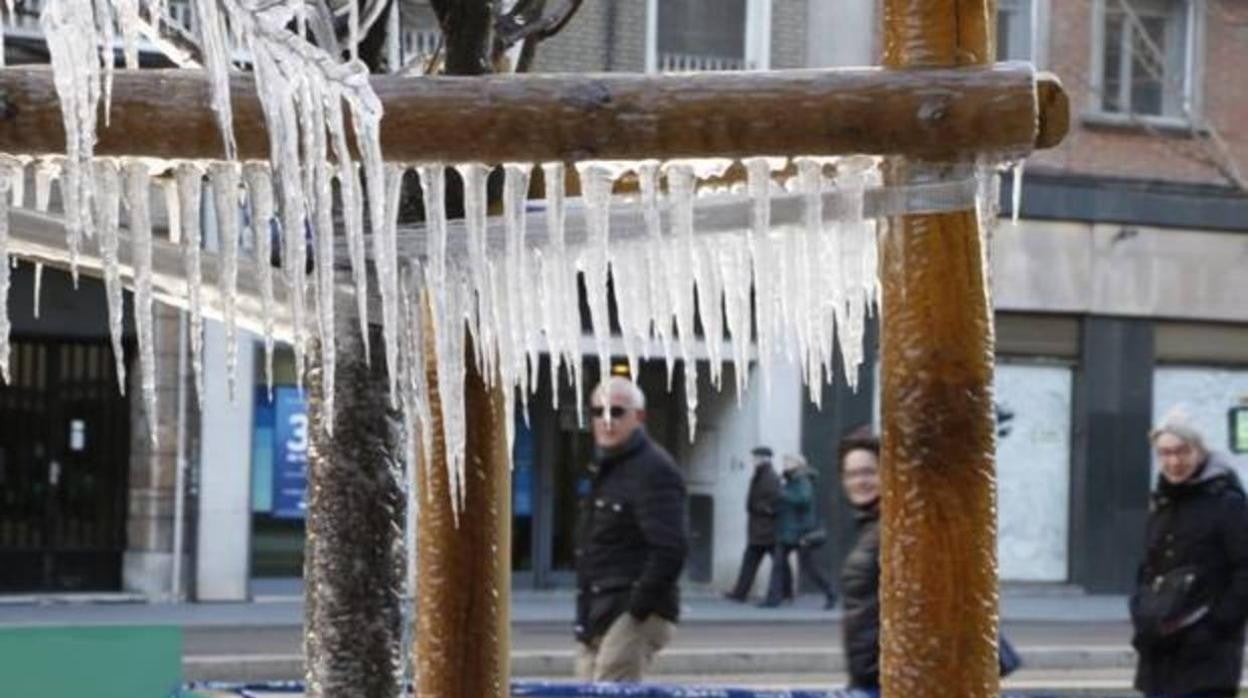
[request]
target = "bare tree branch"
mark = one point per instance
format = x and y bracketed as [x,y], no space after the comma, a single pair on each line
[519,25]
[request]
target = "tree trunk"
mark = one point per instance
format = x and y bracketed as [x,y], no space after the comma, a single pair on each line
[939,582]
[353,568]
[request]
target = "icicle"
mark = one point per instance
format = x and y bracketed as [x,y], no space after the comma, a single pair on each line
[563,328]
[1017,192]
[630,280]
[5,178]
[137,182]
[260,188]
[224,177]
[69,29]
[386,257]
[457,294]
[523,332]
[104,24]
[323,236]
[734,268]
[597,181]
[128,20]
[216,50]
[190,180]
[172,216]
[353,30]
[17,183]
[38,290]
[474,178]
[657,263]
[352,213]
[680,186]
[107,212]
[45,171]
[710,308]
[684,266]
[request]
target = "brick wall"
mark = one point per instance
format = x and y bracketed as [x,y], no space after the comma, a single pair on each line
[1140,152]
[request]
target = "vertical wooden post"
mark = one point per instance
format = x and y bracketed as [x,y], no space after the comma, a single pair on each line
[354,554]
[939,582]
[464,578]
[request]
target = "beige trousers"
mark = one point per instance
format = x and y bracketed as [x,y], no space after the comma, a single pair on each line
[625,651]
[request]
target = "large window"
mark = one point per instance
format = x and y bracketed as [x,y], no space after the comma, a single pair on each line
[1145,56]
[695,35]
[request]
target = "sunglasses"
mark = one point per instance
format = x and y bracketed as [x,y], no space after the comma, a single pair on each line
[616,411]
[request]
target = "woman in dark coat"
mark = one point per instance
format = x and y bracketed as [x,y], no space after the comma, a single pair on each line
[1191,596]
[860,575]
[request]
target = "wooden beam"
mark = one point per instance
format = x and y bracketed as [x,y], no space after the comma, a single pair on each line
[938,589]
[935,113]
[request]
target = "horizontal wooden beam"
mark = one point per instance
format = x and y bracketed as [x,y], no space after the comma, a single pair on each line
[934,114]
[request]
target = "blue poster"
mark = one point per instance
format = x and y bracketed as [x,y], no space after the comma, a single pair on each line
[522,456]
[290,453]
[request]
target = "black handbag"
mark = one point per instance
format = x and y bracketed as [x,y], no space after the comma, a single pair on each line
[813,538]
[1162,601]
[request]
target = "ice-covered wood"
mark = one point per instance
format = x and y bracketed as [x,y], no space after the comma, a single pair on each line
[936,113]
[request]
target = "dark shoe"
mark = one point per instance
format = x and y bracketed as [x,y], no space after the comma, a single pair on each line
[830,602]
[728,595]
[768,604]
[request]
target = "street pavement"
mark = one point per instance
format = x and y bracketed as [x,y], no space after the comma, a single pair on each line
[1067,639]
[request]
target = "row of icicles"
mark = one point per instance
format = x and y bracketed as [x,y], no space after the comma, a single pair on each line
[757,293]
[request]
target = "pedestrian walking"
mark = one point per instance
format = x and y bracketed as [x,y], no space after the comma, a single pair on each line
[1191,596]
[760,508]
[631,541]
[797,531]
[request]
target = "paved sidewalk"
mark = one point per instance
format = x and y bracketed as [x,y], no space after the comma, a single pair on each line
[283,609]
[1056,630]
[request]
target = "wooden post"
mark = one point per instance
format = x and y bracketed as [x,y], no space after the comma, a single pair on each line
[353,566]
[464,577]
[939,583]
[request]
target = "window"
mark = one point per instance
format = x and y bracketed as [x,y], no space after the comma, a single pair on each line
[689,35]
[1144,59]
[1022,31]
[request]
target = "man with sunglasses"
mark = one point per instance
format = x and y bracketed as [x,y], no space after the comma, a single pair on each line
[630,541]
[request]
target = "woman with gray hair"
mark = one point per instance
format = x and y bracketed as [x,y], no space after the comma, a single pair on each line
[1191,597]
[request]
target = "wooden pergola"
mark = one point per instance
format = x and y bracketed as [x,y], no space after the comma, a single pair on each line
[936,105]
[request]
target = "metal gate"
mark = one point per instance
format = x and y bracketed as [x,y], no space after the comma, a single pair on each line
[64,461]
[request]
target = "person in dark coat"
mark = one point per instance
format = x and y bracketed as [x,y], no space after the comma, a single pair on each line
[859,458]
[760,509]
[1191,596]
[796,524]
[631,542]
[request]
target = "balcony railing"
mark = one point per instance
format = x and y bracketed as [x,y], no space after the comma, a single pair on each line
[25,23]
[417,45]
[690,63]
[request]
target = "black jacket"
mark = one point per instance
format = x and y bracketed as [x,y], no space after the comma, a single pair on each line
[760,505]
[1191,596]
[860,592]
[630,538]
